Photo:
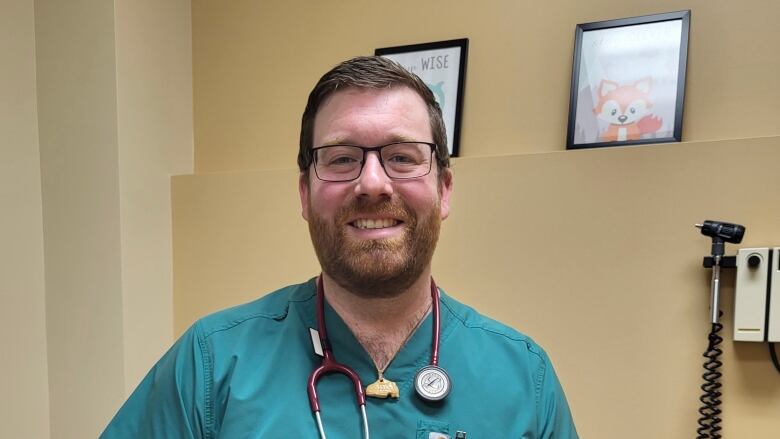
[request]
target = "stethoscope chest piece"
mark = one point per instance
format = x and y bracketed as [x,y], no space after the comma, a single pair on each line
[432,383]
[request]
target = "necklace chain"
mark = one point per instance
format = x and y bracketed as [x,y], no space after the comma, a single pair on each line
[381,371]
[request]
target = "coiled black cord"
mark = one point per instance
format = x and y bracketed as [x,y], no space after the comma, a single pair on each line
[709,421]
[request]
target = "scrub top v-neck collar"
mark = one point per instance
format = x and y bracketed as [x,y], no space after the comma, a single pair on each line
[413,355]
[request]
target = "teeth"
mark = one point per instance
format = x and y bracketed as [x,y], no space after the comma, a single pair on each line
[374,224]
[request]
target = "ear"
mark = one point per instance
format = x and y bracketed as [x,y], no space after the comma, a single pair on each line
[607,86]
[644,84]
[303,191]
[445,190]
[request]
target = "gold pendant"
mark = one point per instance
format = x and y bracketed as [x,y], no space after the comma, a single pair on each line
[383,388]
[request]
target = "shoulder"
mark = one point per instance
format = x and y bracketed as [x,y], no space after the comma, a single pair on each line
[273,307]
[508,352]
[487,330]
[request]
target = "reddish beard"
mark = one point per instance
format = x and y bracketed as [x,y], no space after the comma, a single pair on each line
[381,267]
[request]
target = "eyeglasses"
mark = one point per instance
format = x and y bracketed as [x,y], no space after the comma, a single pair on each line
[400,160]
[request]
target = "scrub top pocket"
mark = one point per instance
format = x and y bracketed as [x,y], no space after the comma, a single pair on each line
[433,430]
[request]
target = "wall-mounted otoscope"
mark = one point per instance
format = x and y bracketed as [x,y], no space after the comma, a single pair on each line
[756,311]
[721,233]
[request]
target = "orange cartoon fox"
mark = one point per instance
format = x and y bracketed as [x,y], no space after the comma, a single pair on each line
[627,109]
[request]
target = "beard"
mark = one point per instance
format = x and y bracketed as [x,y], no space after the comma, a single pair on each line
[376,268]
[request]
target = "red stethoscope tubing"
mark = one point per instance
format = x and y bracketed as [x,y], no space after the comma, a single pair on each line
[329,364]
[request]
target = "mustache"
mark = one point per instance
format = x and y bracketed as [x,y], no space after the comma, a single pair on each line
[394,208]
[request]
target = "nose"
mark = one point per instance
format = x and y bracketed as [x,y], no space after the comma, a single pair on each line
[373,181]
[622,118]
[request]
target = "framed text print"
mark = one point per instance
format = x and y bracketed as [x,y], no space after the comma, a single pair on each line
[442,66]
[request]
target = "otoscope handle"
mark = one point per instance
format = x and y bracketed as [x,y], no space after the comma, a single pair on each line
[715,295]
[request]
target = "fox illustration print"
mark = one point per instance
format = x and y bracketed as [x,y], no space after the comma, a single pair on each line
[627,110]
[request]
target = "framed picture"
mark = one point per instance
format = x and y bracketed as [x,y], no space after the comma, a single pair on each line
[628,81]
[442,66]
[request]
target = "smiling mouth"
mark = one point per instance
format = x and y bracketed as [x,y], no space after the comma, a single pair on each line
[374,223]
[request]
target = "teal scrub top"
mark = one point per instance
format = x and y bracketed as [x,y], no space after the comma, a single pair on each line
[242,373]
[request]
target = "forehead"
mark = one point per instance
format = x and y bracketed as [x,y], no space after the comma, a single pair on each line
[372,116]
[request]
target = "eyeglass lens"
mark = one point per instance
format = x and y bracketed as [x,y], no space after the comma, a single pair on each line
[345,162]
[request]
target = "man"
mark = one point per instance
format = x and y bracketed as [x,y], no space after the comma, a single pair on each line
[375,184]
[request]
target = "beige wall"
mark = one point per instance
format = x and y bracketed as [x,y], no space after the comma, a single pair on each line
[104,92]
[79,165]
[24,405]
[155,141]
[255,62]
[594,254]
[591,252]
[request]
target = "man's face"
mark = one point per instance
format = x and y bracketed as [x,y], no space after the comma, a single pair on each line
[374,236]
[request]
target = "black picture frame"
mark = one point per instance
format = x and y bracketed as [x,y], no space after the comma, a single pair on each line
[628,81]
[442,66]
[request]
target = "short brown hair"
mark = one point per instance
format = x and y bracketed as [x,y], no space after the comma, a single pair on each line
[370,72]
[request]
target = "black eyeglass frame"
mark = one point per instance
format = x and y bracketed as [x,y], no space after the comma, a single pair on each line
[433,147]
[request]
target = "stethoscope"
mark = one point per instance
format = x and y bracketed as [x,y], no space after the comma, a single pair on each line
[431,382]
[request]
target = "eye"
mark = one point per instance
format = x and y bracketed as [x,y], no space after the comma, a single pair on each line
[613,112]
[402,159]
[341,160]
[633,110]
[338,156]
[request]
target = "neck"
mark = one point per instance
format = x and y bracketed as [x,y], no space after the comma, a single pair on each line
[381,325]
